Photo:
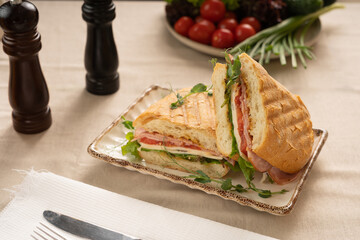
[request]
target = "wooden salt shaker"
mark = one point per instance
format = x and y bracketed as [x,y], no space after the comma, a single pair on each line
[28,92]
[101,59]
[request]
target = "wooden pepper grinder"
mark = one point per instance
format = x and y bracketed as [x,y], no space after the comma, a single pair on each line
[101,59]
[28,93]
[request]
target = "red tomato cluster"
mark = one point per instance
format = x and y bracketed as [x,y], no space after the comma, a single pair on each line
[216,26]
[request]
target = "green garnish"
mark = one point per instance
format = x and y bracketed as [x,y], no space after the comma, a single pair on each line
[232,76]
[131,147]
[198,88]
[213,62]
[128,124]
[285,37]
[200,176]
[189,157]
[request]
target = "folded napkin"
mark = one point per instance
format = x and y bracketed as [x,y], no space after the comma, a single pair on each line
[47,191]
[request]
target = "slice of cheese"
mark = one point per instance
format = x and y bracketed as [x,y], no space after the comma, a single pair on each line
[181,150]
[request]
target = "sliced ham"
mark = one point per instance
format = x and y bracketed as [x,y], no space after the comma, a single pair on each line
[158,139]
[258,163]
[281,177]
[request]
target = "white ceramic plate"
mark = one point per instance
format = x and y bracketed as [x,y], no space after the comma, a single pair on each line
[107,147]
[310,39]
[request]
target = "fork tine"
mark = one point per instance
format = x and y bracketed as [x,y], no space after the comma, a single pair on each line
[46,233]
[34,237]
[39,235]
[52,231]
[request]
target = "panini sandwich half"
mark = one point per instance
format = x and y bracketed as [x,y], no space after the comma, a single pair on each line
[182,138]
[269,126]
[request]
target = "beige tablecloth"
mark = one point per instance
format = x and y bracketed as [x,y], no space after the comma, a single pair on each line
[328,207]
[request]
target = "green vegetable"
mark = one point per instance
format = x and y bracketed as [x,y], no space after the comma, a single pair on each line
[303,7]
[198,88]
[128,124]
[131,147]
[232,76]
[189,157]
[283,38]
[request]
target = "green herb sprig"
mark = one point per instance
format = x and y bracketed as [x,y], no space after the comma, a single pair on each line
[201,177]
[285,37]
[226,184]
[232,75]
[198,88]
[131,147]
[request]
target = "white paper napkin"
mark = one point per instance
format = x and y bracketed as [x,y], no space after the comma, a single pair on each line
[47,191]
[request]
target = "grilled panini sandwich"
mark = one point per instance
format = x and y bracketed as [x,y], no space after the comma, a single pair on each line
[270,125]
[182,138]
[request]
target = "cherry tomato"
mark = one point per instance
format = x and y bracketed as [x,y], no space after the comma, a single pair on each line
[230,15]
[222,38]
[253,22]
[213,10]
[243,31]
[209,25]
[199,19]
[201,32]
[228,23]
[183,25]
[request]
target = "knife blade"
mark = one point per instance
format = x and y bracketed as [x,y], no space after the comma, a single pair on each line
[83,229]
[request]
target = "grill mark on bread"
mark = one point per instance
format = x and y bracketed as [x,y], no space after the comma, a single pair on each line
[211,110]
[197,110]
[173,122]
[184,114]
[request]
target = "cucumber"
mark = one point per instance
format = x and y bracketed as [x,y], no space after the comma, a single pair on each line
[303,7]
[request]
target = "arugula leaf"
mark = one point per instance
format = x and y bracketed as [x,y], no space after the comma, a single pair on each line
[128,124]
[213,62]
[131,147]
[227,184]
[232,76]
[202,178]
[198,88]
[247,169]
[239,188]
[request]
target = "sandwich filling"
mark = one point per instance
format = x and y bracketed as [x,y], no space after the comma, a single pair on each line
[180,147]
[241,123]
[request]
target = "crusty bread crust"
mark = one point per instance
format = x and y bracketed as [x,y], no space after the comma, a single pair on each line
[223,125]
[162,159]
[194,120]
[279,121]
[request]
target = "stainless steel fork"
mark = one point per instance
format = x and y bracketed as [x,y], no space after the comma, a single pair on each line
[44,232]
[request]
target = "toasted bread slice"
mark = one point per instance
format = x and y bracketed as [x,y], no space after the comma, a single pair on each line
[223,125]
[279,121]
[162,159]
[280,124]
[194,120]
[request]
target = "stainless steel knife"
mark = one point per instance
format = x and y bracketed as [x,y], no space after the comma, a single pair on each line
[83,229]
